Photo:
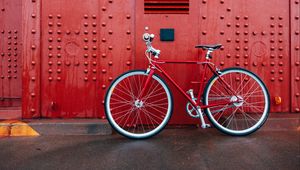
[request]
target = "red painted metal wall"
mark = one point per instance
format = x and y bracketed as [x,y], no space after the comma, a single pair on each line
[72,50]
[11,53]
[295,55]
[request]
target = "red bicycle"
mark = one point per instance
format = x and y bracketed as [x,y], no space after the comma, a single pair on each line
[138,104]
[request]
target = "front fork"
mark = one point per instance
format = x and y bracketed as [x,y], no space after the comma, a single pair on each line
[150,73]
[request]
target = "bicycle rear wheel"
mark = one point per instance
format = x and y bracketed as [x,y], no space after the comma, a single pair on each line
[242,106]
[136,116]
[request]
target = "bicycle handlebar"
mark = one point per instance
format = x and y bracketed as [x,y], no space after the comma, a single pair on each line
[148,38]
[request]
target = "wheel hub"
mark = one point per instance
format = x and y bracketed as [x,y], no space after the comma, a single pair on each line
[138,103]
[237,101]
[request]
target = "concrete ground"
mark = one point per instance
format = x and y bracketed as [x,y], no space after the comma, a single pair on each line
[185,148]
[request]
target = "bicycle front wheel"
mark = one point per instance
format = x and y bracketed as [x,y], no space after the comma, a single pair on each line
[239,101]
[136,116]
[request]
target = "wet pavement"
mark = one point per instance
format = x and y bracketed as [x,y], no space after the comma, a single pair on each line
[188,148]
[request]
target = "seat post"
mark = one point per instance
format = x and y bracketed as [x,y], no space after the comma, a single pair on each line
[208,56]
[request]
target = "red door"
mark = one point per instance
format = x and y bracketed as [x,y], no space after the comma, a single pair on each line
[70,59]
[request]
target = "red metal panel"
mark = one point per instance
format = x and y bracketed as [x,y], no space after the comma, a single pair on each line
[31,58]
[295,55]
[255,35]
[11,53]
[70,59]
[117,41]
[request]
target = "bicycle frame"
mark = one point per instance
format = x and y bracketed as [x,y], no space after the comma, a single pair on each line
[155,65]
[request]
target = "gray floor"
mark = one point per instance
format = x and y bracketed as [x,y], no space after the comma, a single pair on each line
[188,148]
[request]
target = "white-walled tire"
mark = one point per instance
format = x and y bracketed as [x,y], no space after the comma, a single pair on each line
[136,117]
[249,108]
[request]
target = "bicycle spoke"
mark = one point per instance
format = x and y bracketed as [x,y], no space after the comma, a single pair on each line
[117,95]
[120,101]
[246,97]
[152,92]
[222,109]
[146,118]
[156,106]
[159,101]
[254,107]
[240,86]
[153,115]
[224,86]
[246,120]
[233,114]
[125,124]
[254,83]
[159,111]
[252,93]
[119,106]
[134,122]
[121,112]
[150,87]
[220,92]
[149,97]
[141,122]
[127,90]
[148,114]
[130,111]
[247,115]
[123,98]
